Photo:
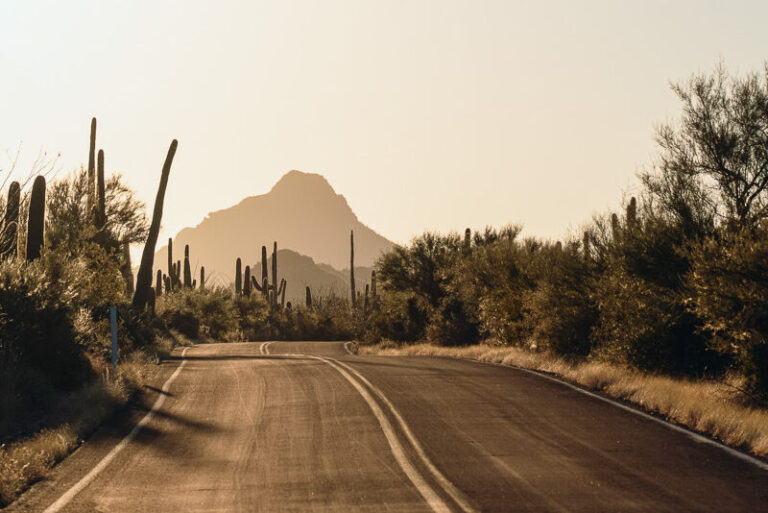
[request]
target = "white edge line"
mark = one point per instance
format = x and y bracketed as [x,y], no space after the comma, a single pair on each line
[698,437]
[346,348]
[434,501]
[443,481]
[106,460]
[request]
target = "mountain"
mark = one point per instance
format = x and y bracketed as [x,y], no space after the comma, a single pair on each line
[302,212]
[300,271]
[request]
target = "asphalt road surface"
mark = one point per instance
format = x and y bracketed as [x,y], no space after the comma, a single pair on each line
[306,426]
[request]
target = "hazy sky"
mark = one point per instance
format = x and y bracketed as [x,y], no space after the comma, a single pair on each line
[424,114]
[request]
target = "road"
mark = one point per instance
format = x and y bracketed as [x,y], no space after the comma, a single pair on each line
[306,426]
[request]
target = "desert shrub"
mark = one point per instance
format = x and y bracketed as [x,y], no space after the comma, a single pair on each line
[330,318]
[560,308]
[180,311]
[729,282]
[39,351]
[641,295]
[253,318]
[396,316]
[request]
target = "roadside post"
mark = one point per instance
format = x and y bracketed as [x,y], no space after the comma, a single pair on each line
[113,325]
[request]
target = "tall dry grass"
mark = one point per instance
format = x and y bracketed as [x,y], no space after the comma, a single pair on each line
[717,409]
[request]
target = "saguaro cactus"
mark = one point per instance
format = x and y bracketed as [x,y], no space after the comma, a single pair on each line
[632,214]
[159,283]
[615,227]
[170,262]
[187,268]
[238,277]
[202,277]
[11,221]
[467,239]
[101,214]
[308,300]
[247,281]
[365,302]
[281,292]
[91,167]
[144,277]
[36,224]
[264,273]
[352,267]
[274,272]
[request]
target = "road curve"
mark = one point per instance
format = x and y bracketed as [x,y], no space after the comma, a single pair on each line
[306,426]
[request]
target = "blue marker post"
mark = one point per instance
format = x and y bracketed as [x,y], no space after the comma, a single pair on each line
[113,325]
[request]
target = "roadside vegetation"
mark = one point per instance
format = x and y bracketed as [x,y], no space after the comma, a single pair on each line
[673,284]
[63,261]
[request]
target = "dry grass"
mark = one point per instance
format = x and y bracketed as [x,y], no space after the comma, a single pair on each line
[707,407]
[24,462]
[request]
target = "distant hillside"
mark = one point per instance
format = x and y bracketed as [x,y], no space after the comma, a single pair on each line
[300,271]
[302,212]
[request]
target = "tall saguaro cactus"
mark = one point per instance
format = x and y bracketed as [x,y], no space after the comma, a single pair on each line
[264,273]
[187,268]
[352,267]
[159,283]
[238,277]
[281,292]
[632,215]
[274,273]
[36,223]
[91,167]
[202,277]
[247,281]
[11,221]
[308,299]
[101,214]
[170,263]
[144,277]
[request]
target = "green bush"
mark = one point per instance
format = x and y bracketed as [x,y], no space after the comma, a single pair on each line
[729,285]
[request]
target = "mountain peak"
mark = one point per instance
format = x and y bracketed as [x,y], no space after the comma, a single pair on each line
[301,212]
[295,180]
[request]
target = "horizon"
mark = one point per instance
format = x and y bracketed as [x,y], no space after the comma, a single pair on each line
[425,117]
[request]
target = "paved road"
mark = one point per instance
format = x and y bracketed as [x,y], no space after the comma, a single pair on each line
[259,427]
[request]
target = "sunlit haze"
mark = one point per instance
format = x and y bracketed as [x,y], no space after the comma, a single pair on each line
[424,115]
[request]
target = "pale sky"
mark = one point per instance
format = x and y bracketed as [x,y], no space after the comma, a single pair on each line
[425,115]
